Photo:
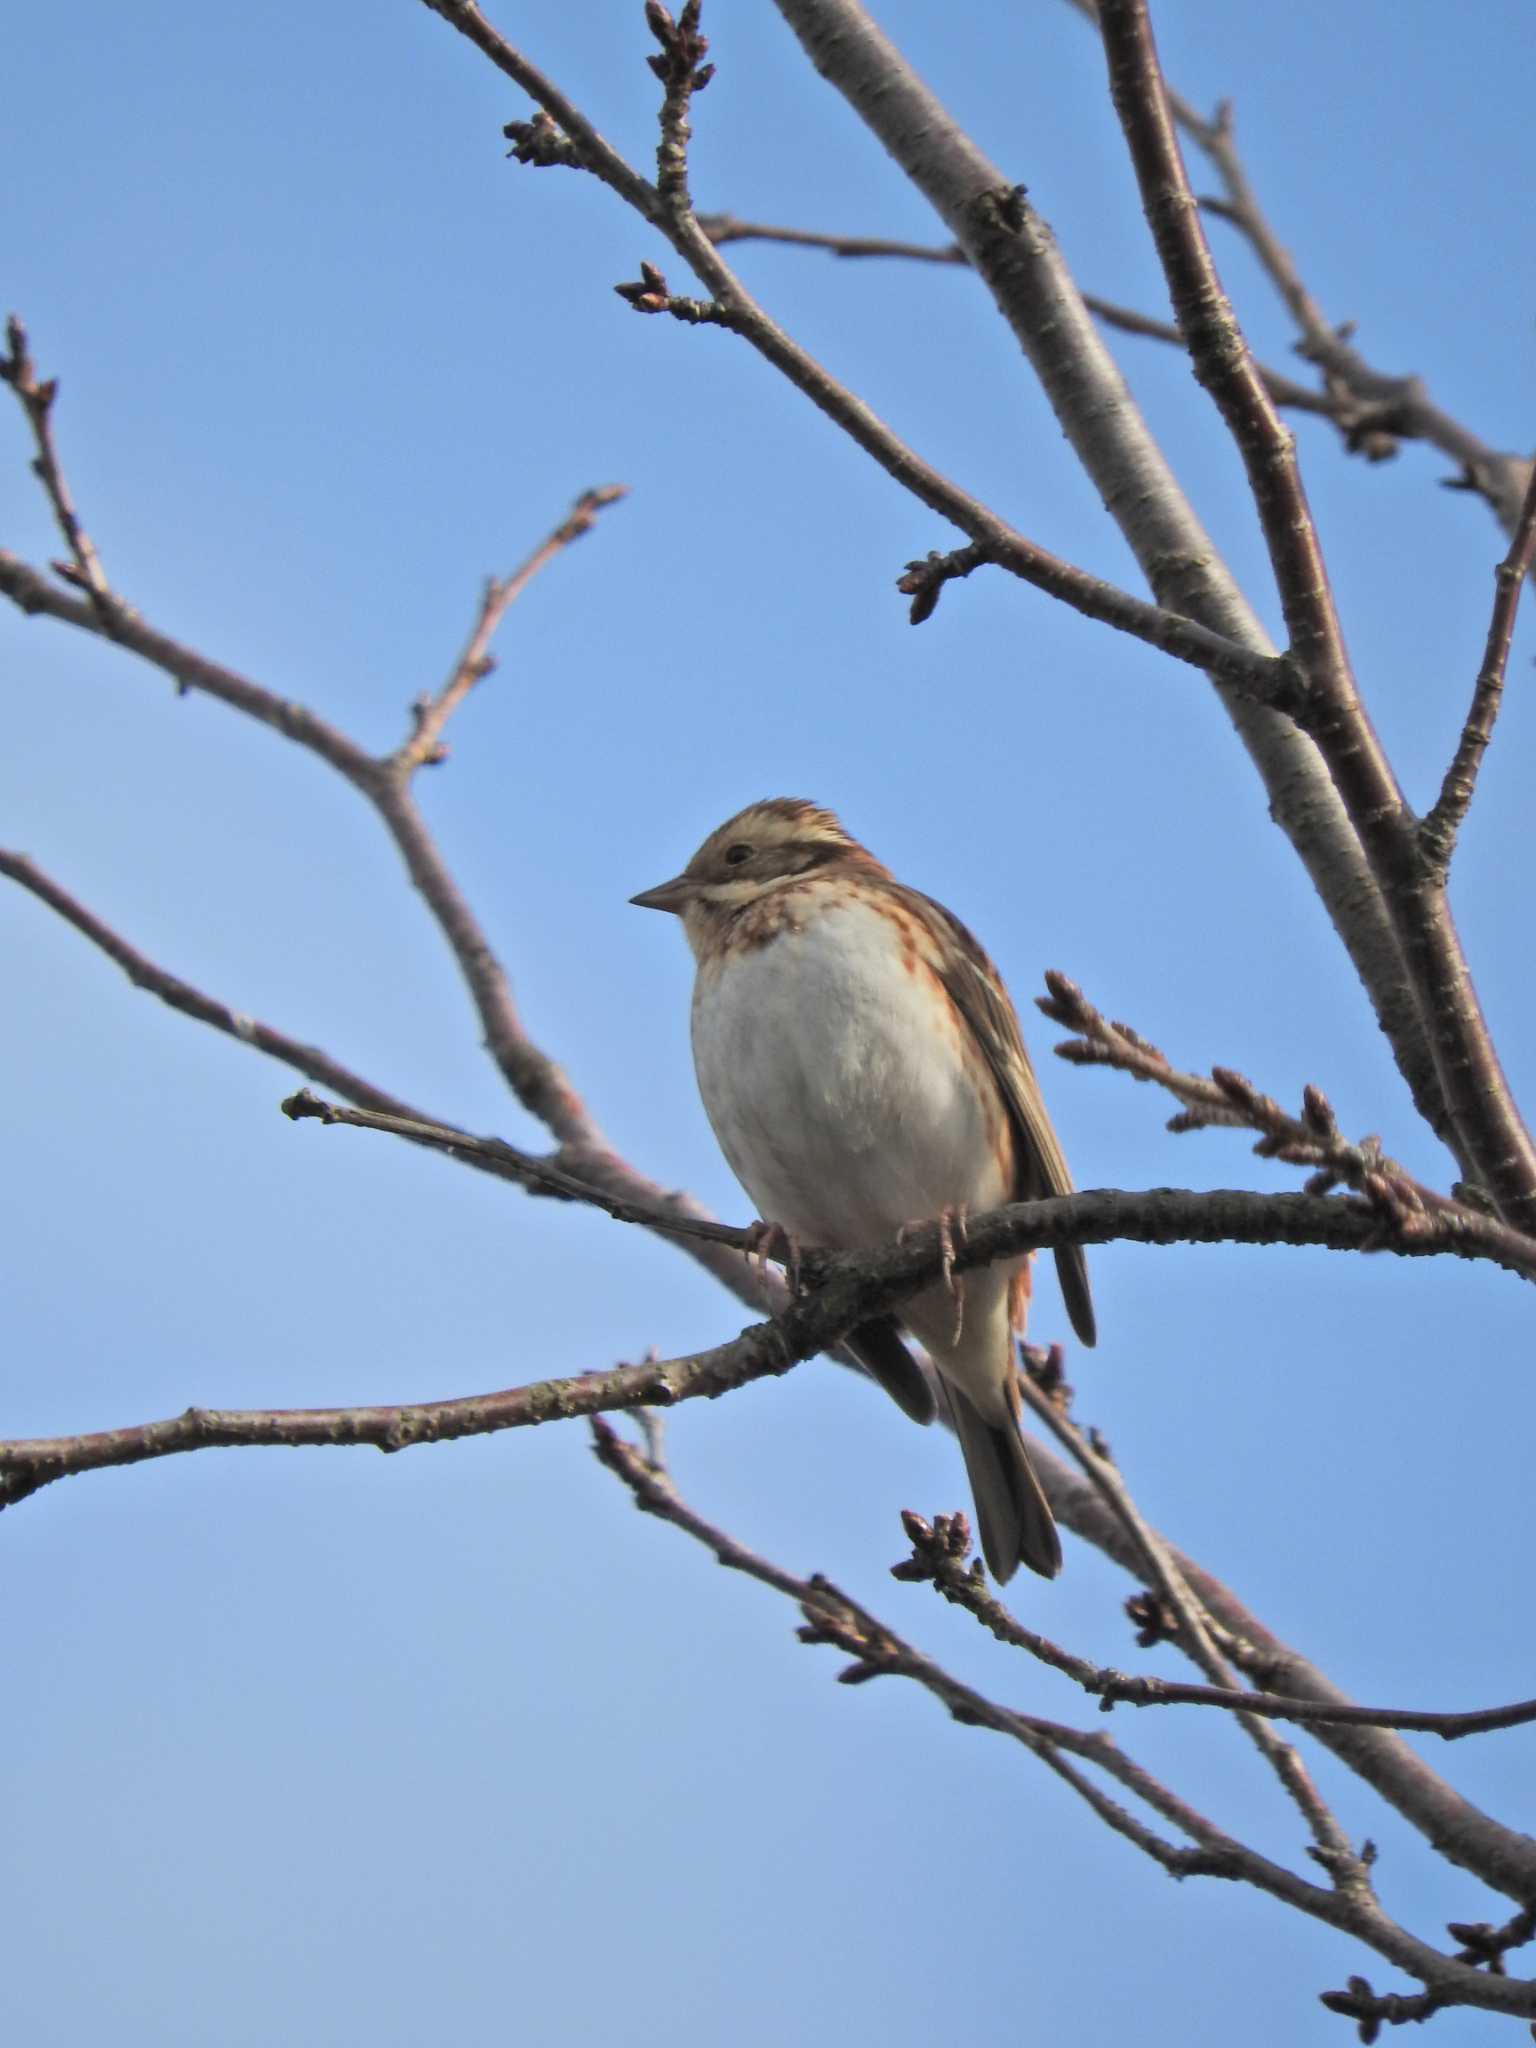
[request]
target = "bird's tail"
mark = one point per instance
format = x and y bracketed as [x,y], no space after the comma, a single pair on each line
[1014,1516]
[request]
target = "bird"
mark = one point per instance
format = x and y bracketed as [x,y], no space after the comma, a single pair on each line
[862,1066]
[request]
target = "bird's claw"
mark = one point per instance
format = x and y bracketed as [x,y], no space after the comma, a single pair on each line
[772,1241]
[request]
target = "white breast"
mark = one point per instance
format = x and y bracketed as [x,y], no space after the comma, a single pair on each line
[832,1069]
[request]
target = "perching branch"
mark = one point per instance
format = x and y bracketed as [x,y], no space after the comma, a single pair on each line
[849,1289]
[880,1279]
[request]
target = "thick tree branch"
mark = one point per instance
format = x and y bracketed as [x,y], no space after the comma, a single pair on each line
[849,1289]
[1492,1137]
[993,224]
[1018,258]
[1376,409]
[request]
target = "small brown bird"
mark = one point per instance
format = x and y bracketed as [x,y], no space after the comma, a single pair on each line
[863,1069]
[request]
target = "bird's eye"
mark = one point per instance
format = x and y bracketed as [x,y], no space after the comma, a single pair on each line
[735,855]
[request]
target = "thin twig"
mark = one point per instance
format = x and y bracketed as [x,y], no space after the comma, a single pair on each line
[1192,1634]
[533,1076]
[36,399]
[524,1169]
[681,68]
[724,228]
[603,1178]
[832,1617]
[939,1551]
[1225,1099]
[1375,409]
[429,715]
[1437,834]
[1261,677]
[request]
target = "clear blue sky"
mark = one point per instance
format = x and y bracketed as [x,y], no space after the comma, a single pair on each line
[336,1749]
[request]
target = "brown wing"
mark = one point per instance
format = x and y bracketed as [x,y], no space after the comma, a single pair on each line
[982,1000]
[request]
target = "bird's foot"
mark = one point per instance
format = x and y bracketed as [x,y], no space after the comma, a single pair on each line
[772,1241]
[951,1227]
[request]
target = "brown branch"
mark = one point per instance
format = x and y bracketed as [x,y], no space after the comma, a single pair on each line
[1492,1139]
[36,399]
[523,1169]
[849,1289]
[1019,259]
[1437,834]
[28,1464]
[724,228]
[430,714]
[604,1179]
[939,1552]
[878,1279]
[1223,364]
[181,996]
[533,1076]
[681,68]
[831,1617]
[1226,1099]
[1188,1624]
[1252,672]
[1374,409]
[1457,1829]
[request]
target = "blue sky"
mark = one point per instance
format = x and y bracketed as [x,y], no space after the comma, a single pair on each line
[334,1748]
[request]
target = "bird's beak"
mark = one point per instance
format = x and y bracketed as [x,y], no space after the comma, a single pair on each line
[674,896]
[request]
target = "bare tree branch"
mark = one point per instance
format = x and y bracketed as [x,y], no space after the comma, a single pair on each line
[1019,260]
[385,780]
[430,714]
[1437,834]
[849,1288]
[36,399]
[724,228]
[1091,1216]
[603,1177]
[1226,1099]
[832,1617]
[1380,408]
[939,1558]
[1492,1136]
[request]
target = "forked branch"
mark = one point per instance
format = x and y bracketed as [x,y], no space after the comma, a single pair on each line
[832,1617]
